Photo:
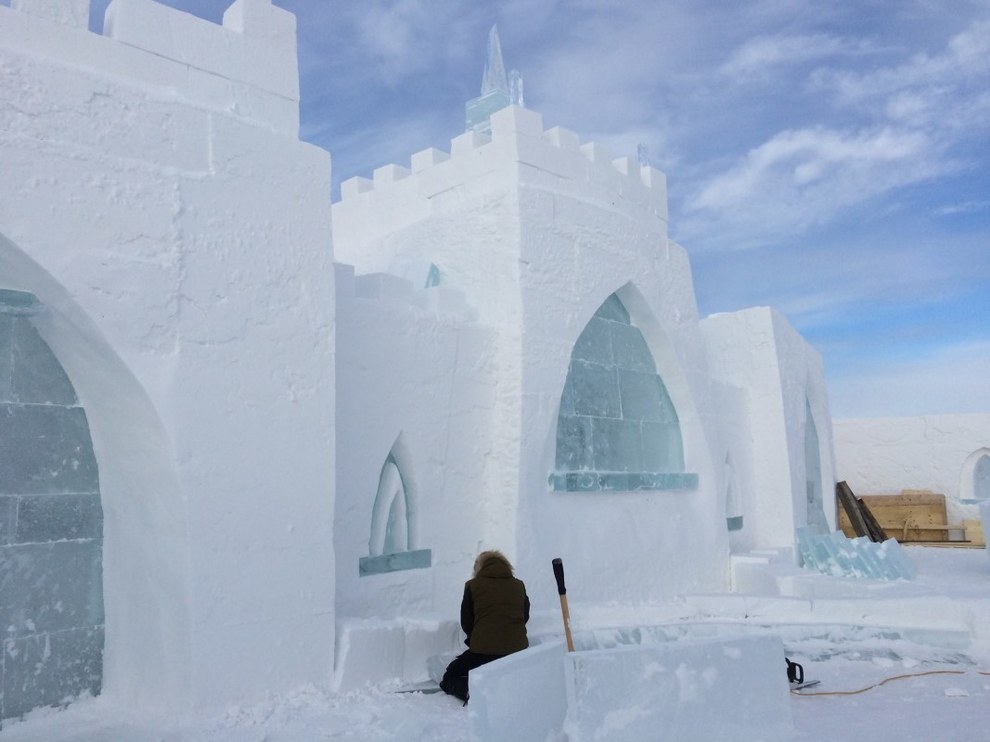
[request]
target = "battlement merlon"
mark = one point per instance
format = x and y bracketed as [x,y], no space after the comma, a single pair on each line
[246,67]
[554,160]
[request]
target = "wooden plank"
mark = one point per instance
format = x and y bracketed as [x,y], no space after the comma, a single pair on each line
[899,513]
[877,533]
[974,532]
[851,507]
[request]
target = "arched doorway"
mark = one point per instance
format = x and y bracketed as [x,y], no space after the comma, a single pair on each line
[51,524]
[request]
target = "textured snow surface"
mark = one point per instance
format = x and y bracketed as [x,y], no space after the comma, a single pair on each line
[930,707]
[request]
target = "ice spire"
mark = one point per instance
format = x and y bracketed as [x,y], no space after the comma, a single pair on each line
[496,91]
[495,77]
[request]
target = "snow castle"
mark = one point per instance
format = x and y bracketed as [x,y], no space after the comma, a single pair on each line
[243,429]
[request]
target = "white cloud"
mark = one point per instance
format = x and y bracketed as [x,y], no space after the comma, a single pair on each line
[766,53]
[907,123]
[938,79]
[803,177]
[965,207]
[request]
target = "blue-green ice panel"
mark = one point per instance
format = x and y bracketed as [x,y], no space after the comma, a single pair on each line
[981,479]
[620,481]
[479,110]
[614,481]
[580,481]
[668,481]
[37,375]
[6,357]
[613,309]
[45,450]
[18,303]
[615,445]
[630,349]
[734,523]
[594,389]
[51,669]
[396,527]
[373,565]
[43,518]
[8,513]
[51,587]
[662,447]
[641,395]
[573,443]
[594,344]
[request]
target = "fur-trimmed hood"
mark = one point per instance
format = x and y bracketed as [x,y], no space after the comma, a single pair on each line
[492,564]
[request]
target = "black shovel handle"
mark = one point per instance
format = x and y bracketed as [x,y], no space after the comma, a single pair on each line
[558,573]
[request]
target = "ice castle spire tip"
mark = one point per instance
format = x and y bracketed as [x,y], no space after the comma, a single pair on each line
[498,89]
[495,77]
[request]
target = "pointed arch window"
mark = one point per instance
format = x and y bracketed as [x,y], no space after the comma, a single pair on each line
[981,479]
[974,485]
[733,505]
[390,546]
[617,428]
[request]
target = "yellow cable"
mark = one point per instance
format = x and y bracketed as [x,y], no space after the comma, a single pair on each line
[798,692]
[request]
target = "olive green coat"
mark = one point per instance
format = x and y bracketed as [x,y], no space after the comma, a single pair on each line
[495,609]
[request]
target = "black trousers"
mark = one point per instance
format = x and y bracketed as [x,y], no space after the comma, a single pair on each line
[455,679]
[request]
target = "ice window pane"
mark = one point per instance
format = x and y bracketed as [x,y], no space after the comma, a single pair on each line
[981,479]
[594,389]
[617,428]
[36,375]
[45,449]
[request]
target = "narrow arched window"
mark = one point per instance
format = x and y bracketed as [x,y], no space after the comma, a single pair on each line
[617,428]
[981,479]
[390,546]
[733,505]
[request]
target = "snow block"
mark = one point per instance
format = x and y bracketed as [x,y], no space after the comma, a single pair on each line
[714,689]
[371,651]
[520,697]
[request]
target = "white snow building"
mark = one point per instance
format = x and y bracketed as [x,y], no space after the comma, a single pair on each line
[230,465]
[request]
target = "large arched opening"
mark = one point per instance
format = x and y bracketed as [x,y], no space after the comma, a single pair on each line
[145,574]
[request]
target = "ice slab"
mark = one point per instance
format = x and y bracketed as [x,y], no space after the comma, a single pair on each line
[519,697]
[637,693]
[834,554]
[370,651]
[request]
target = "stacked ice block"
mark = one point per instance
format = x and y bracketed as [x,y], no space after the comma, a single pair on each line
[834,554]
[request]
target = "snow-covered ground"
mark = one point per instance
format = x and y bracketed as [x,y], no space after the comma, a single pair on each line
[945,696]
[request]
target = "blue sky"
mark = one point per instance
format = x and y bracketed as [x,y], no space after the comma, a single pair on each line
[829,159]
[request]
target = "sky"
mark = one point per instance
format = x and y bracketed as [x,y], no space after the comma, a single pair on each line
[831,160]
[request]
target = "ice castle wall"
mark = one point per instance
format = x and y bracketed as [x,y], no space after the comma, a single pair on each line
[415,383]
[776,378]
[157,200]
[537,231]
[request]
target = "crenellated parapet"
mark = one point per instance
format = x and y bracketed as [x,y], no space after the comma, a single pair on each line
[518,152]
[246,67]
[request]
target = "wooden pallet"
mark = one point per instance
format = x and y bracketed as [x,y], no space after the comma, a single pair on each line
[914,517]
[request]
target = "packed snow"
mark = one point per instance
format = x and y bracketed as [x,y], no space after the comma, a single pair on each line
[934,683]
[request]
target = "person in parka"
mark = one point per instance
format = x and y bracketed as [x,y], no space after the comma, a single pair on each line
[494,612]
